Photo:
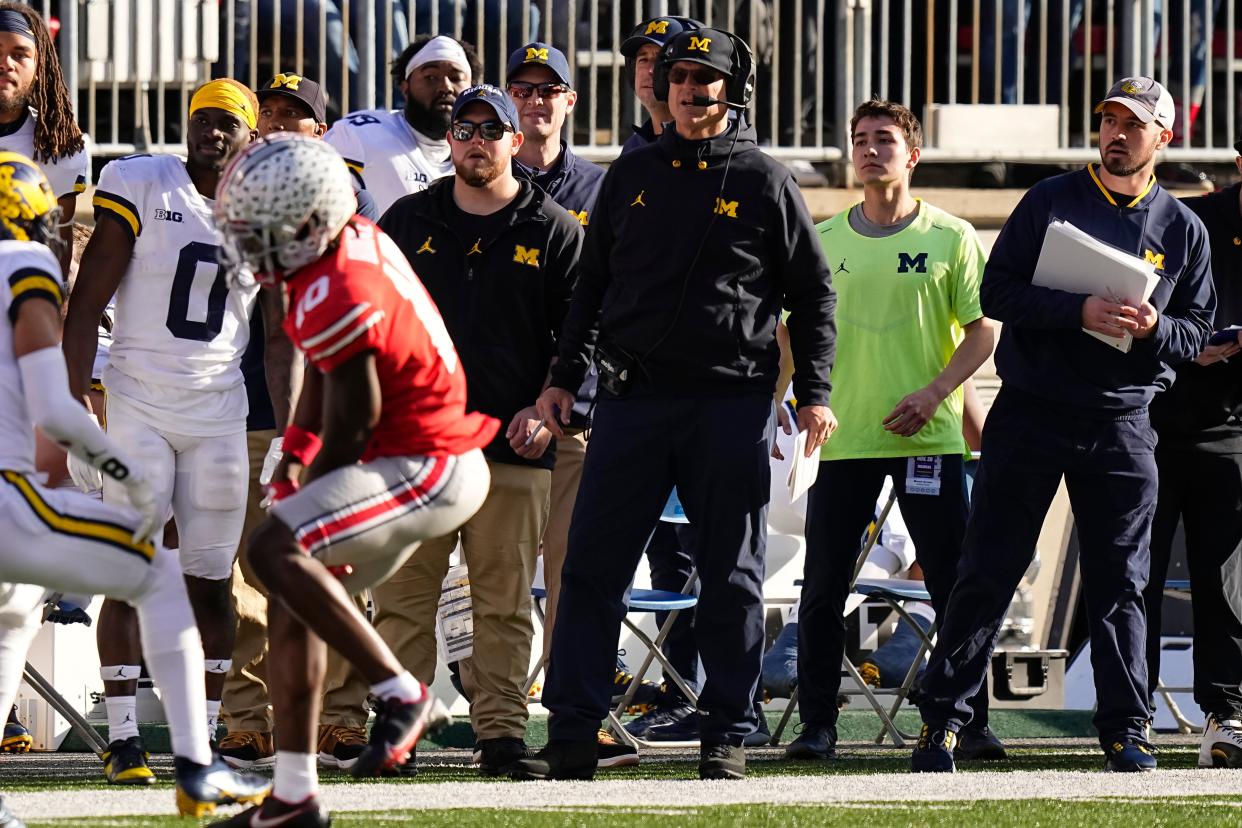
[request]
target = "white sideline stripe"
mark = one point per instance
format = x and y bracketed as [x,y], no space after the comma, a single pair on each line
[647,793]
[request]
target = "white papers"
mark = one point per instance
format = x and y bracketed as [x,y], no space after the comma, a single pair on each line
[1073,261]
[455,617]
[802,469]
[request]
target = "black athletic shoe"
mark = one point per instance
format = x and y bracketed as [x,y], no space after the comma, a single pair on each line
[1129,755]
[496,756]
[717,761]
[274,813]
[934,752]
[815,742]
[200,788]
[398,727]
[978,744]
[125,763]
[561,759]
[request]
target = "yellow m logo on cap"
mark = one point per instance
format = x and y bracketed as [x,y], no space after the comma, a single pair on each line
[286,82]
[1131,87]
[527,257]
[700,44]
[657,27]
[1157,259]
[536,54]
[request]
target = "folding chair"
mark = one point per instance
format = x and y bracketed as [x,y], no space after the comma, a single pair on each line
[893,592]
[58,703]
[1179,589]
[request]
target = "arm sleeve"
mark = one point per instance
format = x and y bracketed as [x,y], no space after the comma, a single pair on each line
[45,385]
[117,198]
[581,326]
[344,140]
[1006,293]
[343,325]
[1185,323]
[809,297]
[967,278]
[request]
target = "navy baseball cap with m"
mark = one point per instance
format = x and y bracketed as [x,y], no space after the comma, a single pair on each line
[1145,97]
[289,85]
[657,30]
[540,54]
[494,97]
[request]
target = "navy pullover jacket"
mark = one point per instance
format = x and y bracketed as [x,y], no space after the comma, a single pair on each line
[1043,350]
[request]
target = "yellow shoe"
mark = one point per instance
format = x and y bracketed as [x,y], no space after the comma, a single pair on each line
[16,736]
[340,746]
[125,763]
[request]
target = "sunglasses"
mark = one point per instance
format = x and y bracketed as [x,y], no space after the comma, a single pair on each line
[703,77]
[490,130]
[523,90]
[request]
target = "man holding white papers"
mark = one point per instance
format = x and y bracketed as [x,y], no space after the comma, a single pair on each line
[1199,456]
[909,333]
[1076,407]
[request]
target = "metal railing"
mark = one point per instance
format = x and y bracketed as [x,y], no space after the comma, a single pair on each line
[135,62]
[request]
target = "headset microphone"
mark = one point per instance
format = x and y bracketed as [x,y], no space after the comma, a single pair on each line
[703,100]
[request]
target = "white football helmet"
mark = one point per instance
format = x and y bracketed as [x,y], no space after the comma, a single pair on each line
[280,204]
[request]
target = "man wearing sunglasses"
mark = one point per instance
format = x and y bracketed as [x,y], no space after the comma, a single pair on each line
[498,257]
[696,244]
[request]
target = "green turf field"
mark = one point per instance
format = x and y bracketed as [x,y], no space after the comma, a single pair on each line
[1197,811]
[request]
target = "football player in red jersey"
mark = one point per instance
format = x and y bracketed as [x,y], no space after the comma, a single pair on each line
[381,444]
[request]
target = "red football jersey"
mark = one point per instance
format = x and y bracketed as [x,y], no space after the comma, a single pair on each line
[365,297]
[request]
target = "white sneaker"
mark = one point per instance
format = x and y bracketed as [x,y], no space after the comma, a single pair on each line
[1222,743]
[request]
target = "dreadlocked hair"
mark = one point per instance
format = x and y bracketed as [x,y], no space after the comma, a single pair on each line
[56,133]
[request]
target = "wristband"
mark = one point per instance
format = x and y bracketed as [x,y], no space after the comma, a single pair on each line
[278,490]
[301,445]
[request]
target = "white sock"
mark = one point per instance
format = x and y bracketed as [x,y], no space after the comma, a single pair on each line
[296,778]
[122,717]
[402,686]
[174,654]
[213,717]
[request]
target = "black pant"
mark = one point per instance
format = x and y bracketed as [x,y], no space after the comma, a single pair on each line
[1110,470]
[716,451]
[670,553]
[839,507]
[1204,491]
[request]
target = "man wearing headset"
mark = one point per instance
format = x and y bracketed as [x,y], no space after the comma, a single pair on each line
[696,244]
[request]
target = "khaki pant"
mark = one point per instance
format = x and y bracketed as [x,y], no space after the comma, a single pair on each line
[246,705]
[570,454]
[499,546]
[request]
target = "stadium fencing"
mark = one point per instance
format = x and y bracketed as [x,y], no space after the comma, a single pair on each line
[993,79]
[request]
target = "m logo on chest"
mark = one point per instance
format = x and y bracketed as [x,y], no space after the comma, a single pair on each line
[1157,259]
[522,255]
[906,263]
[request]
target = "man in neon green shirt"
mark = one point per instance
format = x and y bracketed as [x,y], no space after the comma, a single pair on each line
[909,333]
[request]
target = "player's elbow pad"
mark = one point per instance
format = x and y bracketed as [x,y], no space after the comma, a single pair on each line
[45,381]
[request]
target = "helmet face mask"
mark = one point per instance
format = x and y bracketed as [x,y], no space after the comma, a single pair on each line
[29,210]
[279,207]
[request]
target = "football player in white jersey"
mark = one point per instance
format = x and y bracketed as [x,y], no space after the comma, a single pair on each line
[176,396]
[36,111]
[393,153]
[67,541]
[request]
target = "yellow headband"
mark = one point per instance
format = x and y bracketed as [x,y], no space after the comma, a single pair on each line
[225,94]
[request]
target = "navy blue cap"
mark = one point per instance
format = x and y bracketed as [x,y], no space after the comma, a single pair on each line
[300,88]
[657,30]
[493,97]
[540,54]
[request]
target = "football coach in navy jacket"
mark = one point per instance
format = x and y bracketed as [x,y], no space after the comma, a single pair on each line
[697,242]
[1076,407]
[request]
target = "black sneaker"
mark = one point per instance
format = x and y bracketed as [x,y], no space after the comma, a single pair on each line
[613,753]
[309,813]
[125,762]
[1129,755]
[200,788]
[397,728]
[717,761]
[561,759]
[762,736]
[17,738]
[661,715]
[496,756]
[7,818]
[645,697]
[978,744]
[934,752]
[815,742]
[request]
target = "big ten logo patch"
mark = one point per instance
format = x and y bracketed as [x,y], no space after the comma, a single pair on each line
[168,215]
[906,263]
[525,256]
